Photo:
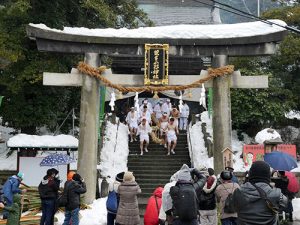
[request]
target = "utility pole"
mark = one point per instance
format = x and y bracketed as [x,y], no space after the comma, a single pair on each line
[258,8]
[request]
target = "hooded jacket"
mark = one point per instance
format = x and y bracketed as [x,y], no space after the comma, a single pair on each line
[128,211]
[10,188]
[74,189]
[252,209]
[153,207]
[48,188]
[207,197]
[14,211]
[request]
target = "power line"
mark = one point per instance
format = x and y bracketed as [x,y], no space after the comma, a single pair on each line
[255,17]
[245,14]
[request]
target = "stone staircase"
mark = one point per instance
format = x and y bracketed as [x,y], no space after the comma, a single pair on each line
[155,168]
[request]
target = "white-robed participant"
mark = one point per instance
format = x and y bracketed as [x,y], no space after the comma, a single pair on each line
[167,106]
[172,132]
[132,121]
[148,104]
[158,110]
[144,131]
[184,115]
[145,114]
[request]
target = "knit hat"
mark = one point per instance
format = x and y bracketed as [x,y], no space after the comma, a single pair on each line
[76,177]
[128,176]
[260,172]
[120,176]
[20,175]
[226,175]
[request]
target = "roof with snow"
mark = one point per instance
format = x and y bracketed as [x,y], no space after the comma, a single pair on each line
[267,135]
[45,141]
[253,38]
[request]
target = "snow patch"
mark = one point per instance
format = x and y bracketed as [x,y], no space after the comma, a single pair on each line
[266,134]
[215,31]
[293,115]
[296,206]
[96,215]
[115,152]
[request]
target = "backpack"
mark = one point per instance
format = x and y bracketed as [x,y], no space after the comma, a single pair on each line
[228,206]
[112,202]
[185,202]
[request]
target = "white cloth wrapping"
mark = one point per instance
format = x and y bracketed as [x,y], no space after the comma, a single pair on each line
[158,111]
[132,121]
[185,111]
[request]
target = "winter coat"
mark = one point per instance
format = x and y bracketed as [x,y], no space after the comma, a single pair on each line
[14,211]
[207,197]
[48,188]
[10,188]
[74,189]
[153,207]
[128,211]
[222,192]
[252,209]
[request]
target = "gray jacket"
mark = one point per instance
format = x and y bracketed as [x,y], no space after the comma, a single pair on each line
[128,211]
[252,209]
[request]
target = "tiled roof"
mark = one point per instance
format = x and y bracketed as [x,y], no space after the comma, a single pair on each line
[167,12]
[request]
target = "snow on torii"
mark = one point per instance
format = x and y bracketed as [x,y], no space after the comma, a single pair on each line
[213,31]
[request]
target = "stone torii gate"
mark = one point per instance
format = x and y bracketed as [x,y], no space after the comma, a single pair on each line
[219,49]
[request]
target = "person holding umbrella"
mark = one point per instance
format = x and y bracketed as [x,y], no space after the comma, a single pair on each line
[48,190]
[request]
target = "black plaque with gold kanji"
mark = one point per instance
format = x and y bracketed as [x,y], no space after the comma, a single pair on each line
[156,64]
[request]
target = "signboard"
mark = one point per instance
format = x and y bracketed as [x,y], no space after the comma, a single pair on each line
[34,173]
[251,153]
[156,64]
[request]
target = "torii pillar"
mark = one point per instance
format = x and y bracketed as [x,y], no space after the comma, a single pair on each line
[221,118]
[88,134]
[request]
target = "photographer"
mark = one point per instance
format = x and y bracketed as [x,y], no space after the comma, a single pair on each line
[73,189]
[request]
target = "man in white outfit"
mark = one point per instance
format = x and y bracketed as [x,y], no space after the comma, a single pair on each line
[167,106]
[144,130]
[148,104]
[132,121]
[145,114]
[158,110]
[184,115]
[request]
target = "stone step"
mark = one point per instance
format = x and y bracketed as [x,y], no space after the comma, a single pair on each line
[170,160]
[159,181]
[147,155]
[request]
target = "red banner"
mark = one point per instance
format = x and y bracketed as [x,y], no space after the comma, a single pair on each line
[251,153]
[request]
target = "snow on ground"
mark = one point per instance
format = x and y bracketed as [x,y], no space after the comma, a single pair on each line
[296,205]
[94,216]
[266,134]
[114,157]
[200,155]
[216,31]
[9,163]
[293,115]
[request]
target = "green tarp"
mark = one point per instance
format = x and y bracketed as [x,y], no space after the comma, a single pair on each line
[1,97]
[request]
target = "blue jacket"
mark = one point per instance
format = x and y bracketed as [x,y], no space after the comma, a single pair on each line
[10,188]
